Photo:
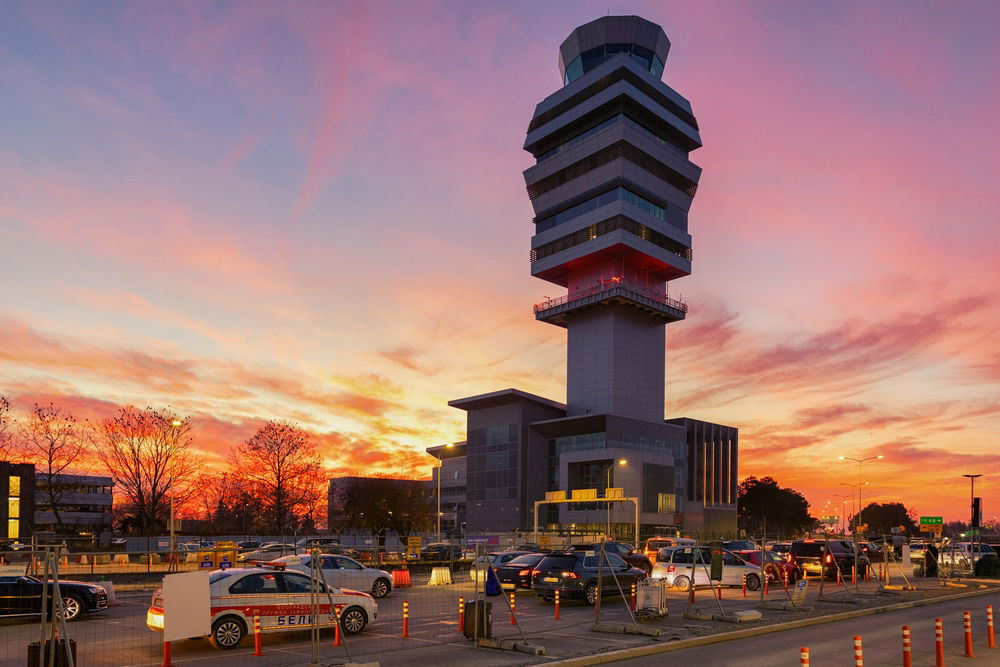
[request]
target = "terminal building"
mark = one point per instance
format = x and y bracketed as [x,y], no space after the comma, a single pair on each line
[611,189]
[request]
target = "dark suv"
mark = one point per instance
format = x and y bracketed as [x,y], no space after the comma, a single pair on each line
[636,559]
[812,557]
[574,575]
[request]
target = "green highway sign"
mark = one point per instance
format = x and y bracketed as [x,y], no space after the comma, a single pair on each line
[931,520]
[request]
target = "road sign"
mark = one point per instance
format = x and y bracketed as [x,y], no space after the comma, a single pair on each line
[799,596]
[931,524]
[413,542]
[545,541]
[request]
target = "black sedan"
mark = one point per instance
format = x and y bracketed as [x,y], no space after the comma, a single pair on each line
[575,575]
[516,574]
[21,595]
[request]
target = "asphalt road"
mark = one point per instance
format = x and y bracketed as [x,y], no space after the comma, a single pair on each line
[118,636]
[832,644]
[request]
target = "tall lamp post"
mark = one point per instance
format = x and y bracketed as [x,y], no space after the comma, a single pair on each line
[176,424]
[972,504]
[854,497]
[843,512]
[437,466]
[611,466]
[859,462]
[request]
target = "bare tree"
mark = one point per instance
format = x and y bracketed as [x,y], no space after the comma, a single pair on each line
[282,465]
[380,504]
[227,503]
[148,454]
[7,448]
[53,440]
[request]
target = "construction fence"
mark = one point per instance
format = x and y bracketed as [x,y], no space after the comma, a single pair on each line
[432,613]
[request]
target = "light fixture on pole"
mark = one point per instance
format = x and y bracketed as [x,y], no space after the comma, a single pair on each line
[859,462]
[611,466]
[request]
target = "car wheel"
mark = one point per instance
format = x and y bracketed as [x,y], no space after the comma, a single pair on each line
[682,583]
[381,587]
[73,607]
[549,597]
[228,632]
[353,620]
[590,593]
[753,582]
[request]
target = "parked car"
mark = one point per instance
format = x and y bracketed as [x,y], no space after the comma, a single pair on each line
[680,566]
[575,575]
[267,552]
[824,558]
[776,568]
[249,544]
[496,558]
[342,572]
[515,574]
[654,544]
[627,552]
[317,542]
[780,548]
[875,553]
[964,555]
[282,599]
[739,545]
[22,595]
[441,551]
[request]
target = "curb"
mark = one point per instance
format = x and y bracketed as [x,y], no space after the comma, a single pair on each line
[642,651]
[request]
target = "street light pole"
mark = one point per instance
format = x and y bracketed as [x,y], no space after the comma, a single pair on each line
[857,522]
[173,452]
[607,529]
[972,504]
[438,468]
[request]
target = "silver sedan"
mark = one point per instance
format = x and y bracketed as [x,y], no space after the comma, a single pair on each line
[343,572]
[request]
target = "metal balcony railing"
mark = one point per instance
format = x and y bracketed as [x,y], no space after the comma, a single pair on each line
[603,291]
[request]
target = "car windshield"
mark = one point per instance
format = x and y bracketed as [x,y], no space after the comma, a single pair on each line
[528,559]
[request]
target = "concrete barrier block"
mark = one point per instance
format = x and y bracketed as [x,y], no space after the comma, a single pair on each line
[440,576]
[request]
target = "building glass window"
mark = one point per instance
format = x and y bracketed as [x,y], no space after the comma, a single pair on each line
[13,529]
[13,508]
[617,194]
[666,503]
[15,485]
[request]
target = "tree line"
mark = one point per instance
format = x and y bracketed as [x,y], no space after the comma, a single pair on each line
[273,483]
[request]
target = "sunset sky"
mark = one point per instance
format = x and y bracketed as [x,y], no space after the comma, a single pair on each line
[314,211]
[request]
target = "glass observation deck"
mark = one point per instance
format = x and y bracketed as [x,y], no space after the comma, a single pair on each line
[591,58]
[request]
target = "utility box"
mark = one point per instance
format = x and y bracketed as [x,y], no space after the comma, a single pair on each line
[478,619]
[651,597]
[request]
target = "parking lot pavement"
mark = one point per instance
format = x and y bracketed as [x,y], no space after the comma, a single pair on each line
[118,636]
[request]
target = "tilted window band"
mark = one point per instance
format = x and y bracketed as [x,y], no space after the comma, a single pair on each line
[619,222]
[606,155]
[606,82]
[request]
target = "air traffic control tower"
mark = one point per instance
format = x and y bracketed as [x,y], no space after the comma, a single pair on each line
[611,189]
[611,192]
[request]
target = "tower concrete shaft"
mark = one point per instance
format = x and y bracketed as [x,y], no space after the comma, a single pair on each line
[611,190]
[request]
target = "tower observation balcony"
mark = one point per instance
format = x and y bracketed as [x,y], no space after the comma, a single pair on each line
[655,304]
